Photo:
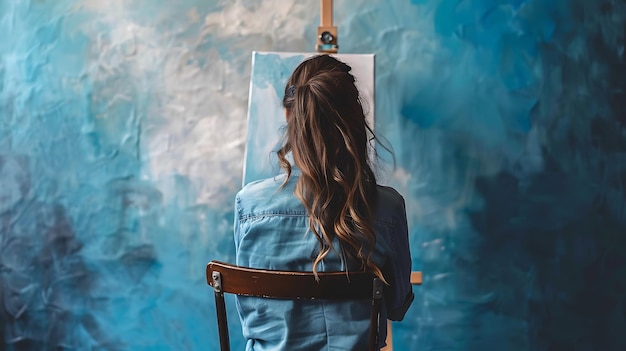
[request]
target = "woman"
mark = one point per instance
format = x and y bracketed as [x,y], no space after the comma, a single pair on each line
[325,213]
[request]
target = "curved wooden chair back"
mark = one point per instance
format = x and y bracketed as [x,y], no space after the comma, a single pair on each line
[228,278]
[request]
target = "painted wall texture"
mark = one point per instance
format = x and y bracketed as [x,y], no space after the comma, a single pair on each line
[122,128]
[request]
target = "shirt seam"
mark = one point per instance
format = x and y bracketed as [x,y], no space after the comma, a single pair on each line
[271,214]
[326,326]
[250,216]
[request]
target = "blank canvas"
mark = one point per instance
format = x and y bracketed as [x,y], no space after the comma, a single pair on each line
[266,116]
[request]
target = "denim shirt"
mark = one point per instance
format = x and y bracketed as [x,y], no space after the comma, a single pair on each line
[271,232]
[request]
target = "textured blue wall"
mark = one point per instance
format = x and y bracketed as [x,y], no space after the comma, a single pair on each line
[121,146]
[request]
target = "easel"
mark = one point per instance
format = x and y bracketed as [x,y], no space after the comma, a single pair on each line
[327,43]
[326,32]
[416,279]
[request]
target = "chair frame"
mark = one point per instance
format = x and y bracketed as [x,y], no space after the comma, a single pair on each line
[292,285]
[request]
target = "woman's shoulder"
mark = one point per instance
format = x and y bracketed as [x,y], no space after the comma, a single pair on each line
[271,195]
[389,196]
[267,185]
[390,206]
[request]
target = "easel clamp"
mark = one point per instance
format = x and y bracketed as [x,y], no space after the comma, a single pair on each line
[326,32]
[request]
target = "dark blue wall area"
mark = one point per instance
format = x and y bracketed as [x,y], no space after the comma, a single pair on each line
[121,146]
[511,121]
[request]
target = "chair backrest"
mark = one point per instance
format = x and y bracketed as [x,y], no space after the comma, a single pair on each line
[228,278]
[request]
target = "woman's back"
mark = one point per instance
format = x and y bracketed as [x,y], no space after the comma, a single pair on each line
[271,232]
[330,216]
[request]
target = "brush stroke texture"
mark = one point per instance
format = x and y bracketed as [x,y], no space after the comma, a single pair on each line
[122,128]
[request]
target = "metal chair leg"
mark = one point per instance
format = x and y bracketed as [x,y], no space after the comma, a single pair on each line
[220,307]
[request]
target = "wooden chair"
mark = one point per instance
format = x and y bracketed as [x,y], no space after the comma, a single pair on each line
[416,279]
[227,278]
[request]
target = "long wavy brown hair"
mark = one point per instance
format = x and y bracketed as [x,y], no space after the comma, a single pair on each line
[329,138]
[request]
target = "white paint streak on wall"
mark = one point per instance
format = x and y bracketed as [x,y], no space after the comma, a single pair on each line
[200,132]
[204,112]
[194,92]
[275,25]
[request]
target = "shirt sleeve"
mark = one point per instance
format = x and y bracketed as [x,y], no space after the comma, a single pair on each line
[399,295]
[236,224]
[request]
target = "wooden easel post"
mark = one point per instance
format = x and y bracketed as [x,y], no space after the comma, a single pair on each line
[416,279]
[326,32]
